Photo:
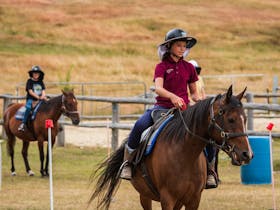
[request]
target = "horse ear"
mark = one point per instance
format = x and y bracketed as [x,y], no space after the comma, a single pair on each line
[228,95]
[63,92]
[240,95]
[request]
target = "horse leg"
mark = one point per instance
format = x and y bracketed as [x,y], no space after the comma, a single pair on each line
[47,162]
[146,203]
[41,151]
[24,152]
[166,200]
[10,147]
[47,158]
[178,206]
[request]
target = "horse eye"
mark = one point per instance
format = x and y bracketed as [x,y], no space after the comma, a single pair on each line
[231,120]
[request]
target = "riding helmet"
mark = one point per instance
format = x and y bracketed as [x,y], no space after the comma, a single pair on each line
[179,34]
[36,69]
[196,66]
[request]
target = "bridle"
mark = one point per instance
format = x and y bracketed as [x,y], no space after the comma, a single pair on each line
[225,146]
[64,110]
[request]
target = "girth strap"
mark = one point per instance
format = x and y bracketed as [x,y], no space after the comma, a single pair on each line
[148,180]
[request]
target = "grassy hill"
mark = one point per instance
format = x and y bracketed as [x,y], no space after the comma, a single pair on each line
[116,40]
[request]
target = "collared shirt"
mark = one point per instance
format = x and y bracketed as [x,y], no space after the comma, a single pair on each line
[176,77]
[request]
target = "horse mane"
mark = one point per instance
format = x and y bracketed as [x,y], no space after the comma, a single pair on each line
[46,104]
[194,118]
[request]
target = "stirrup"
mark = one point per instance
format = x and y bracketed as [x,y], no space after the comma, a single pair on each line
[125,171]
[211,182]
[21,127]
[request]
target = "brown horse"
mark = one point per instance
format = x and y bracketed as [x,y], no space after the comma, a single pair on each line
[175,172]
[52,109]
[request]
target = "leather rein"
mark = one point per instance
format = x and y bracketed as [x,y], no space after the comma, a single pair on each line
[225,146]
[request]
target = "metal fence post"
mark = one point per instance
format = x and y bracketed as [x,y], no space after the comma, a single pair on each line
[115,131]
[250,112]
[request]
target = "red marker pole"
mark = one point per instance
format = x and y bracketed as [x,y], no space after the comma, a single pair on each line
[269,128]
[49,126]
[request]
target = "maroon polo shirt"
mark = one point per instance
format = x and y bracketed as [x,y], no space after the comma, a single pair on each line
[176,77]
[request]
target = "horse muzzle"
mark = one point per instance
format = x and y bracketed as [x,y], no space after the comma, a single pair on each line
[239,157]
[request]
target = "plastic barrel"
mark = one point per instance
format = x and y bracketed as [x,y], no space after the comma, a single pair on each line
[259,169]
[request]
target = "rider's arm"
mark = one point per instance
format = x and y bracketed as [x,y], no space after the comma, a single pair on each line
[194,92]
[31,92]
[161,91]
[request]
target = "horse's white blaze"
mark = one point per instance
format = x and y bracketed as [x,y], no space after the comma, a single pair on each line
[247,141]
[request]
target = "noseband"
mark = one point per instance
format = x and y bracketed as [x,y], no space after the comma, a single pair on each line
[64,109]
[225,146]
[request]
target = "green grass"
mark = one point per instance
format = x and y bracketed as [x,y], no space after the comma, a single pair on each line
[72,167]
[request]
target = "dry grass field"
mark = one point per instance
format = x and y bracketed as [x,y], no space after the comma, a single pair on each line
[116,40]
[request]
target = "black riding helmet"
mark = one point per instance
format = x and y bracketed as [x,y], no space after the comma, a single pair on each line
[36,69]
[178,34]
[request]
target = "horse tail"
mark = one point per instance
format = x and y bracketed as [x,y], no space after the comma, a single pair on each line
[11,140]
[108,179]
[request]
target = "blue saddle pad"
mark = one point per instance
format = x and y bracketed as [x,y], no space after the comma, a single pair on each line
[155,134]
[20,113]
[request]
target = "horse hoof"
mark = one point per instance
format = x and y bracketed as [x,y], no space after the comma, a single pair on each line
[30,173]
[13,173]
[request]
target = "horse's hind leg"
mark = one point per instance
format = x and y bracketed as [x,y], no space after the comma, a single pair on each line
[146,203]
[24,153]
[10,147]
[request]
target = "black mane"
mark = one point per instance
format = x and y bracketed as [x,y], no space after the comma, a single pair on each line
[195,117]
[47,106]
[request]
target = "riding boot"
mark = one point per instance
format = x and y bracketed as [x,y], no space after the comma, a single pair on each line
[211,181]
[126,172]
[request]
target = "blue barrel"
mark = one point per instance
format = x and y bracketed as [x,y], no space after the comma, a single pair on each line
[259,169]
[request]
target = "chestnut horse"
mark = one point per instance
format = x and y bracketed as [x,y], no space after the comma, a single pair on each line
[52,109]
[175,172]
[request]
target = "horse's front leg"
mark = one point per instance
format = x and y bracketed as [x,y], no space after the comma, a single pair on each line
[24,153]
[41,151]
[47,157]
[146,203]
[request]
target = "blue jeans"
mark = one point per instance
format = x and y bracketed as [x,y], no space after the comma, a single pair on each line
[141,124]
[28,107]
[210,152]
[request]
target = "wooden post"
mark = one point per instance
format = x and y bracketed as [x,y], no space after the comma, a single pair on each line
[115,131]
[61,134]
[275,89]
[250,112]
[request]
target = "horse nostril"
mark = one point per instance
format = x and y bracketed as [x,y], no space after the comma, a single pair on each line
[245,155]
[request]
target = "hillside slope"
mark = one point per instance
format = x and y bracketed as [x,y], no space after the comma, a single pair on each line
[116,40]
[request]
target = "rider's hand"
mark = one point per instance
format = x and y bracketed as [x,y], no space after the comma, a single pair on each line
[178,102]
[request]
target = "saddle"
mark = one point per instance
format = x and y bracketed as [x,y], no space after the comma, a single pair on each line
[20,113]
[161,118]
